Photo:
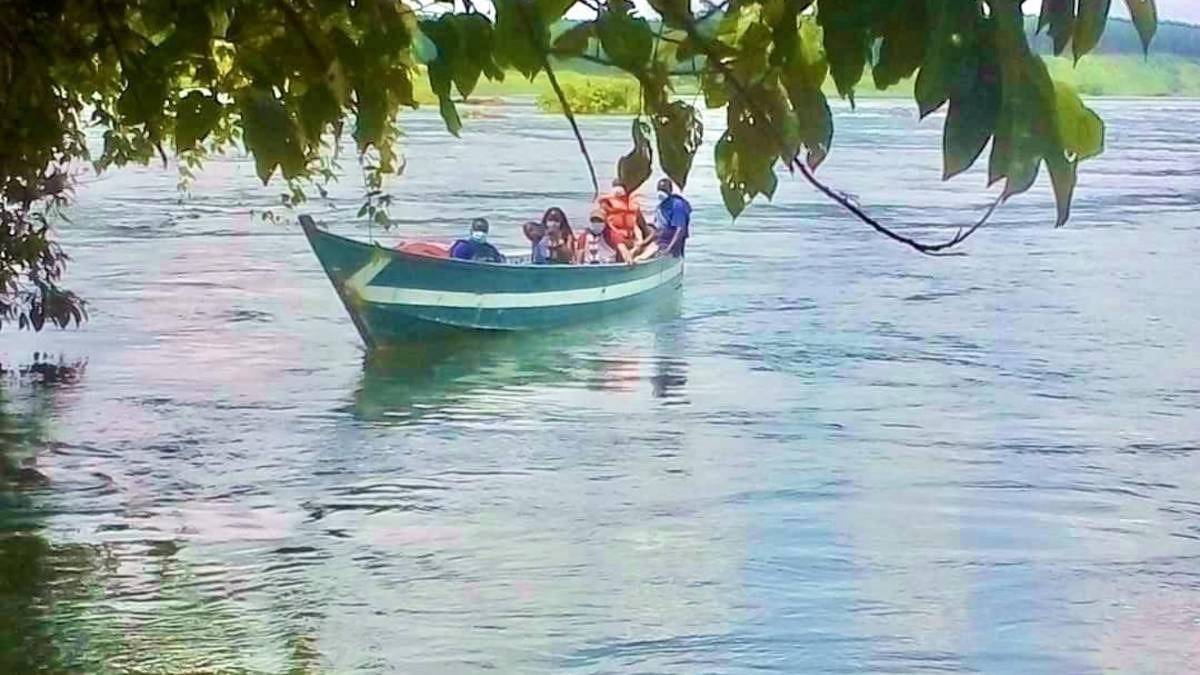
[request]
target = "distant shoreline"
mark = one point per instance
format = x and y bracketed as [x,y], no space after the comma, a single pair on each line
[1099,76]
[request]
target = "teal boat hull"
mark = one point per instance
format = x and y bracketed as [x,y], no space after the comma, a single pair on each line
[395,297]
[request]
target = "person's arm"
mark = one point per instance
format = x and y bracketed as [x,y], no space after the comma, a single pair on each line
[675,239]
[678,219]
[456,250]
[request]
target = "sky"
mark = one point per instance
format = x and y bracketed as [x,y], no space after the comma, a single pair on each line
[1187,11]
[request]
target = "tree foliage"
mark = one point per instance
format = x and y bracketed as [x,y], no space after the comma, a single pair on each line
[282,78]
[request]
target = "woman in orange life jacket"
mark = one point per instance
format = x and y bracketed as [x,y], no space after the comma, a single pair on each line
[624,220]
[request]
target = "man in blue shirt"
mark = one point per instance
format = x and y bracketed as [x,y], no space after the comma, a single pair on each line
[476,246]
[673,218]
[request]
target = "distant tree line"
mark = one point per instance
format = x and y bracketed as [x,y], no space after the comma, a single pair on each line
[1121,37]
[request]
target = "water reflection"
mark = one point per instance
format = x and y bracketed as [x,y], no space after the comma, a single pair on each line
[112,606]
[483,375]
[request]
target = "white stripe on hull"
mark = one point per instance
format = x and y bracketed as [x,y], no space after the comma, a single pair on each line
[423,297]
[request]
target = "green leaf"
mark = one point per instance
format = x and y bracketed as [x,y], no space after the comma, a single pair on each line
[974,109]
[715,93]
[521,36]
[142,100]
[318,109]
[424,48]
[847,38]
[627,40]
[733,191]
[634,168]
[449,115]
[952,58]
[969,124]
[443,70]
[1145,19]
[1080,129]
[802,77]
[476,41]
[1063,176]
[1026,131]
[678,132]
[814,120]
[371,113]
[904,39]
[574,41]
[1059,16]
[1093,17]
[270,134]
[195,116]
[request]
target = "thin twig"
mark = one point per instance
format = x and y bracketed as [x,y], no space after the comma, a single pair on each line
[562,99]
[928,249]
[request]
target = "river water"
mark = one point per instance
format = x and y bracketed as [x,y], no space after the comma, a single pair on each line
[830,454]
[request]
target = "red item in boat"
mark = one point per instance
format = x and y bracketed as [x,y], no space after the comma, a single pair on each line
[425,248]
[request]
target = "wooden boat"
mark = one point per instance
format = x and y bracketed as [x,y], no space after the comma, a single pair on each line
[395,297]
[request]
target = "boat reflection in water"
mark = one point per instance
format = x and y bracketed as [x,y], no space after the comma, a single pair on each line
[637,354]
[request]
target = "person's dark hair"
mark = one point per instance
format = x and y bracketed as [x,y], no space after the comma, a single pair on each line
[555,212]
[666,185]
[564,230]
[479,224]
[534,230]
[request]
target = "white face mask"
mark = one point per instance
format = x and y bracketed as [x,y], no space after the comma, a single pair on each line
[663,195]
[596,228]
[478,235]
[619,190]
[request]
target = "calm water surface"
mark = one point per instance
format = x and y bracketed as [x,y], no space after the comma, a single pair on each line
[830,455]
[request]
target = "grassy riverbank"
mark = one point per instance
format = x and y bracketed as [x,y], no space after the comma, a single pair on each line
[1098,75]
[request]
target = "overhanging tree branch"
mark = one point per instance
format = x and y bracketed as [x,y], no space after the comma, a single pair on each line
[794,163]
[562,99]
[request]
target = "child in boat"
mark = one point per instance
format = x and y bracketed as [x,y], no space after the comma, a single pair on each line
[539,247]
[559,237]
[592,247]
[475,246]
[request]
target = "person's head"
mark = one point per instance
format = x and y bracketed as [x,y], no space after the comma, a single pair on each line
[554,218]
[618,188]
[596,222]
[665,188]
[534,231]
[479,229]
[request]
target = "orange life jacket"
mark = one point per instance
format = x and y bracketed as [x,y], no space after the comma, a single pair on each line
[621,216]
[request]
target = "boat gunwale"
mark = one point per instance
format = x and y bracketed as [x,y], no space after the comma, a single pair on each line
[312,228]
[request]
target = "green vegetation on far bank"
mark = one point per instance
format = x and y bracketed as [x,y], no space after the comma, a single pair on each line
[594,93]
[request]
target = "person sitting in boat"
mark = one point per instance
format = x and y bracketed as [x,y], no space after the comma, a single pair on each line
[624,218]
[559,237]
[539,246]
[673,218]
[592,247]
[648,247]
[475,246]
